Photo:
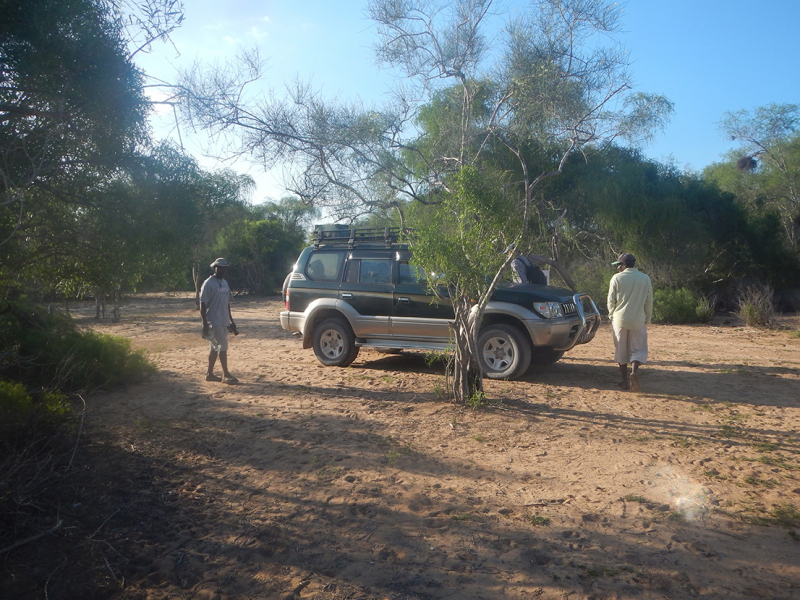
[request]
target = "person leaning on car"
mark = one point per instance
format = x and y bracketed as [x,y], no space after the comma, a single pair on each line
[215,310]
[630,308]
[523,270]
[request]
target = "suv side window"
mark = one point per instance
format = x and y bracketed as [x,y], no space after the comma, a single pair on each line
[376,270]
[407,273]
[325,266]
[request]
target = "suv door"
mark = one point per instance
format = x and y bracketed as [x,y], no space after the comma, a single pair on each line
[367,288]
[416,314]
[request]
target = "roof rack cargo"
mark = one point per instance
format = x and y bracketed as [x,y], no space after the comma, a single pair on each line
[351,238]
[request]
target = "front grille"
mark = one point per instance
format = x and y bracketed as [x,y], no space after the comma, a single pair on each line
[568,309]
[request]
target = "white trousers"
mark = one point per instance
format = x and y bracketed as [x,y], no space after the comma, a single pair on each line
[630,344]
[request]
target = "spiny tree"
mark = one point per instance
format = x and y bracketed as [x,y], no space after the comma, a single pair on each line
[73,117]
[70,100]
[764,172]
[455,242]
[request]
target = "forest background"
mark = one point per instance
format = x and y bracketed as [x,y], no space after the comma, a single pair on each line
[91,207]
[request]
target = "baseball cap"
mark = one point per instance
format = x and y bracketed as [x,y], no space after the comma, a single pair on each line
[625,259]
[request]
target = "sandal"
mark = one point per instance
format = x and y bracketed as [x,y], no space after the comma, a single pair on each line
[213,378]
[230,379]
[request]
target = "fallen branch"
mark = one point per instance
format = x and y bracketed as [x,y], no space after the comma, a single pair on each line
[31,539]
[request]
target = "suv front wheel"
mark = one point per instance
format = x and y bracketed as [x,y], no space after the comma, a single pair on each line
[503,351]
[334,343]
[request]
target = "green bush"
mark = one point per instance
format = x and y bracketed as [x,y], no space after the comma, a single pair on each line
[47,351]
[680,305]
[757,306]
[21,411]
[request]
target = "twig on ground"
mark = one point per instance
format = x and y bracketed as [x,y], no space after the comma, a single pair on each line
[80,430]
[33,538]
[96,531]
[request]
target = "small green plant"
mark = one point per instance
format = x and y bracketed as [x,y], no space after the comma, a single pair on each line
[777,461]
[479,438]
[784,515]
[635,498]
[680,305]
[767,446]
[440,392]
[753,480]
[393,456]
[728,432]
[599,571]
[538,520]
[757,306]
[477,400]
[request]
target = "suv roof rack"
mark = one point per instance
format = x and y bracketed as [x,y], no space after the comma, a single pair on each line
[351,238]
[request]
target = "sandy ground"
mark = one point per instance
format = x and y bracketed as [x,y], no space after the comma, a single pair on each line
[306,481]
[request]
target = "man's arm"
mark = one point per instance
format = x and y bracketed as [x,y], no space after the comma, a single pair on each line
[203,315]
[611,301]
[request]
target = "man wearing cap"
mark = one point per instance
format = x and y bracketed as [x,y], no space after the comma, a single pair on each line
[630,308]
[215,310]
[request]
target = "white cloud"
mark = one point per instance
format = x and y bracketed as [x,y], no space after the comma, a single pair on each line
[230,40]
[257,33]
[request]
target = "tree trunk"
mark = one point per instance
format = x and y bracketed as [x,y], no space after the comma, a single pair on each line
[196,279]
[99,305]
[116,316]
[467,375]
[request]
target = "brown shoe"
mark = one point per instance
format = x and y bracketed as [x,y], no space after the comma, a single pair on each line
[635,387]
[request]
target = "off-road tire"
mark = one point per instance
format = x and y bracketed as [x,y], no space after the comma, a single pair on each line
[334,343]
[504,352]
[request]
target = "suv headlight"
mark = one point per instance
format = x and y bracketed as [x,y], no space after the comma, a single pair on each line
[549,310]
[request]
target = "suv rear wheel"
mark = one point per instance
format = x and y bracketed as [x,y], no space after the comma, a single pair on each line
[334,343]
[503,351]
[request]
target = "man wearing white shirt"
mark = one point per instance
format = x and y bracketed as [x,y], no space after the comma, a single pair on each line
[215,310]
[630,308]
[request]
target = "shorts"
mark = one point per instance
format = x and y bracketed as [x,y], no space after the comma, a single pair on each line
[630,344]
[218,339]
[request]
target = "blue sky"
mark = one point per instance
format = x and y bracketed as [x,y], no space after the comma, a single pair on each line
[706,56]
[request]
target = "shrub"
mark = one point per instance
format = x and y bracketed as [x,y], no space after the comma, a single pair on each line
[680,305]
[757,306]
[47,351]
[22,412]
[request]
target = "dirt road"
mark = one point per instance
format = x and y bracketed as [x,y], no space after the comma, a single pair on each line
[365,483]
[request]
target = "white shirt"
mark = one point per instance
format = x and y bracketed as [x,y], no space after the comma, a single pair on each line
[630,299]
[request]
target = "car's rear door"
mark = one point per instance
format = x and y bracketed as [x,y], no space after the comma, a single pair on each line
[367,288]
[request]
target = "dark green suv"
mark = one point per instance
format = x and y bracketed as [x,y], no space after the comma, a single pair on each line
[356,288]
